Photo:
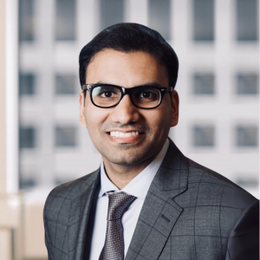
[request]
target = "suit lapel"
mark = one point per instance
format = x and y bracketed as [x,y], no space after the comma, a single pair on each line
[79,217]
[160,212]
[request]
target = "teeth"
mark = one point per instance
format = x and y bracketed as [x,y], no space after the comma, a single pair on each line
[121,134]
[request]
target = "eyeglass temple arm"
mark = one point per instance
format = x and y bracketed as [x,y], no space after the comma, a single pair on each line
[85,87]
[169,89]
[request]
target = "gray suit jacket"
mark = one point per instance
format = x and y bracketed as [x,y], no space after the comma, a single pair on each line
[190,212]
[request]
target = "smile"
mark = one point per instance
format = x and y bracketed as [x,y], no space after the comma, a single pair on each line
[122,134]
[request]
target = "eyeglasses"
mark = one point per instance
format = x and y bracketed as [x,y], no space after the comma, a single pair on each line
[107,95]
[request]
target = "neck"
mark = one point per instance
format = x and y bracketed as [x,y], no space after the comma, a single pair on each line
[121,175]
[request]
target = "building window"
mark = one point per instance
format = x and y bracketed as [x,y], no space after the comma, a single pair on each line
[65,84]
[203,20]
[203,84]
[111,12]
[26,20]
[247,84]
[27,137]
[246,136]
[247,183]
[26,183]
[203,136]
[65,136]
[26,84]
[159,17]
[65,29]
[246,20]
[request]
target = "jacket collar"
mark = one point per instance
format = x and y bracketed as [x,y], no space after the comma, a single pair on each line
[81,214]
[160,212]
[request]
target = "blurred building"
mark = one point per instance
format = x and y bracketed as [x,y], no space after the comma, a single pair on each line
[217,44]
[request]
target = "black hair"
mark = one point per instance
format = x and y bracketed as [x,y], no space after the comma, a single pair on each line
[130,37]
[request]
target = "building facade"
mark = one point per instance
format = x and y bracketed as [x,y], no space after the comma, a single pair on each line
[217,44]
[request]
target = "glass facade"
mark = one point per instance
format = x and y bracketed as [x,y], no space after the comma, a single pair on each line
[203,136]
[65,136]
[27,137]
[27,20]
[65,84]
[203,84]
[159,17]
[65,26]
[203,20]
[27,84]
[246,136]
[111,12]
[247,20]
[247,84]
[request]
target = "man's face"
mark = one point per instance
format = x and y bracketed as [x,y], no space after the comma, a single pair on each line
[142,132]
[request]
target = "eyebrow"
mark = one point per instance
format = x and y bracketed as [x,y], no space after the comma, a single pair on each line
[148,84]
[151,84]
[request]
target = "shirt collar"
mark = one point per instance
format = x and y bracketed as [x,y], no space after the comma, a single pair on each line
[139,186]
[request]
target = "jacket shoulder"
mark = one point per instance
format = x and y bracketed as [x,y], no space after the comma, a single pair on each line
[215,185]
[73,189]
[197,185]
[64,207]
[63,195]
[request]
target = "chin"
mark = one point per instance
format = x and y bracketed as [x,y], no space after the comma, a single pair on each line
[131,159]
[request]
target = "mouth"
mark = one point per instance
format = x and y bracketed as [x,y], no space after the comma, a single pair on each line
[124,134]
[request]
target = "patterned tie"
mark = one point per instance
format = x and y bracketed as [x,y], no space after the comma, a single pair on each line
[118,203]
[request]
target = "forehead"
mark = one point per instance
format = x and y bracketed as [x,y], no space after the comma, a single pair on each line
[125,69]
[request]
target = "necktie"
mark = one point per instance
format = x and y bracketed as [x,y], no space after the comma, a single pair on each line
[118,203]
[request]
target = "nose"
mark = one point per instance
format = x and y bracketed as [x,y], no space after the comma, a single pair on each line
[125,112]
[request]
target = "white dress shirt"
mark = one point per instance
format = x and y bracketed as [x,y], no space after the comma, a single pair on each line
[138,187]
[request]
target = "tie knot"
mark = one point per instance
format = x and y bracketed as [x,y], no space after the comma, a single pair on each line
[118,203]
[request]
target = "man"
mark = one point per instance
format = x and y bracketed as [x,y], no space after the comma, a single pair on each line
[179,210]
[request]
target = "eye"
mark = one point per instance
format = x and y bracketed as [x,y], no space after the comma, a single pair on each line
[148,94]
[105,92]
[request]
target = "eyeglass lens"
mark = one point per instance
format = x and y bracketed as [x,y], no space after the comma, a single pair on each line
[143,97]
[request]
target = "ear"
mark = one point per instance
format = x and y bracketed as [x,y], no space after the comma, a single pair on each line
[82,119]
[175,108]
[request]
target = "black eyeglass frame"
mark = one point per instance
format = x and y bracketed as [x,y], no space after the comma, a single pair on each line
[125,91]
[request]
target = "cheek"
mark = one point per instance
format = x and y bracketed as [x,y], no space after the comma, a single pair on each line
[160,122]
[93,127]
[92,121]
[91,117]
[95,117]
